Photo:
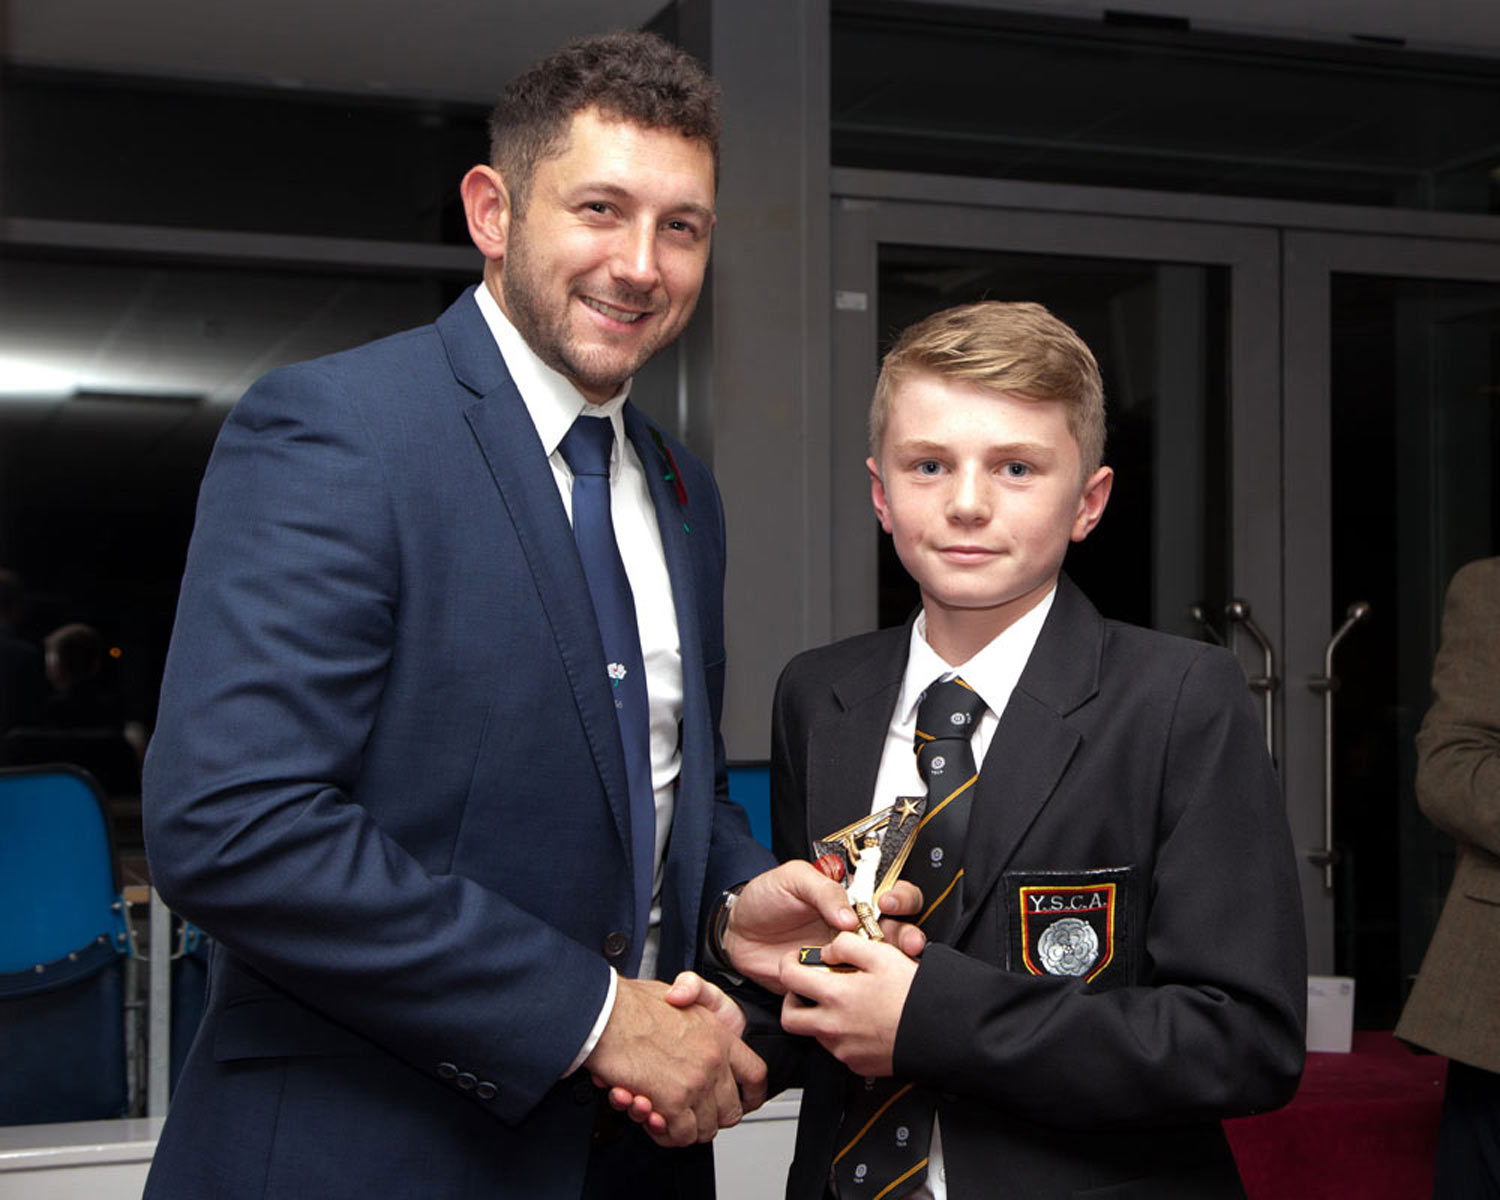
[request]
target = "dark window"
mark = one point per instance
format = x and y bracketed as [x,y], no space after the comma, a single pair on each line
[946,90]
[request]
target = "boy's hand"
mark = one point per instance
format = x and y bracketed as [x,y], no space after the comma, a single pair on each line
[792,906]
[689,989]
[852,1014]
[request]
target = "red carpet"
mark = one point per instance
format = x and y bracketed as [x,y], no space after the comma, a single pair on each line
[1363,1125]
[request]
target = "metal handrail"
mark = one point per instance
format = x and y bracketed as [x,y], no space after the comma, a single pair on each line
[1266,683]
[1325,685]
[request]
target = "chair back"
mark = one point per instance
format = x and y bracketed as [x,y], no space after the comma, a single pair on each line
[750,788]
[190,964]
[62,951]
[58,883]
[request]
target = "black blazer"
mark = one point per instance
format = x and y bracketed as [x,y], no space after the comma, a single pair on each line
[1127,787]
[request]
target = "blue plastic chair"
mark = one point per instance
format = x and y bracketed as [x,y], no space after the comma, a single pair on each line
[190,962]
[750,788]
[63,947]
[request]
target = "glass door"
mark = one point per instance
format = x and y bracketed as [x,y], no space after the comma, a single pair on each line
[1160,330]
[1392,384]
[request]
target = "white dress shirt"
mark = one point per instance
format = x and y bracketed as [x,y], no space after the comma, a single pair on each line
[554,404]
[992,673]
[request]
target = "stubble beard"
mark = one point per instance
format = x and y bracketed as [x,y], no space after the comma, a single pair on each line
[548,335]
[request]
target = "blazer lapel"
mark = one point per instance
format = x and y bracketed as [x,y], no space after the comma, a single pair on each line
[1033,742]
[844,748]
[508,440]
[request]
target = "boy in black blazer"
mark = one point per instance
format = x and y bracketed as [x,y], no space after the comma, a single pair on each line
[1116,957]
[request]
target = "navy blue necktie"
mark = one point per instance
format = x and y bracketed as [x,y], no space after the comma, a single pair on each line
[586,450]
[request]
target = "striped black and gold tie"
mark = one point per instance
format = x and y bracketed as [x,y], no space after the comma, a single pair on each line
[887,1127]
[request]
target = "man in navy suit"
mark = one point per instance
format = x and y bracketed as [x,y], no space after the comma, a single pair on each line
[388,776]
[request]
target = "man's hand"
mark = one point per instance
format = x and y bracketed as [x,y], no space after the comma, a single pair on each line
[687,990]
[797,905]
[685,1060]
[690,988]
[853,1014]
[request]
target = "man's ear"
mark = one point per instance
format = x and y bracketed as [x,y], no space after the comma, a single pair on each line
[877,494]
[487,206]
[1091,504]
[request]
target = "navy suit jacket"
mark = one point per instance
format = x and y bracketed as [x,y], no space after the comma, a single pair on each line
[1127,785]
[387,778]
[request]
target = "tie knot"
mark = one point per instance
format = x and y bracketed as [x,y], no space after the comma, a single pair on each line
[585,447]
[949,709]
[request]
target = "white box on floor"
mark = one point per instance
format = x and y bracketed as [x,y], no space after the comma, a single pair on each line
[1330,1013]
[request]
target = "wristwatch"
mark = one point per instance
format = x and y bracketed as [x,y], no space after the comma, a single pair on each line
[718,924]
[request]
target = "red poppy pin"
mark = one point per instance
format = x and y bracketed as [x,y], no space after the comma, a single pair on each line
[672,474]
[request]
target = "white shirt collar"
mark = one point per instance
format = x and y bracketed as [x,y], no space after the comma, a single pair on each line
[550,397]
[993,672]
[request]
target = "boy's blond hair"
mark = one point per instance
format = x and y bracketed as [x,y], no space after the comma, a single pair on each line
[1019,348]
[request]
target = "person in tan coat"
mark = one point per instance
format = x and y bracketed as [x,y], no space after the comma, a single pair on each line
[1454,1007]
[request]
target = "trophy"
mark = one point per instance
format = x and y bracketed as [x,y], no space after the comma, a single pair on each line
[867,857]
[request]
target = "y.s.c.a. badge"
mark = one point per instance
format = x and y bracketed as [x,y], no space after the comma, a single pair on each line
[1070,923]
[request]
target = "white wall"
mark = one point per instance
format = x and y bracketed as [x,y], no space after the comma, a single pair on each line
[108,1160]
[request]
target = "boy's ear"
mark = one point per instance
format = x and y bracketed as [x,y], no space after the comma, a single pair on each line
[487,207]
[877,494]
[1091,504]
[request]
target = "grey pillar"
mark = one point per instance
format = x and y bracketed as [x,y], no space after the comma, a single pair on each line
[756,358]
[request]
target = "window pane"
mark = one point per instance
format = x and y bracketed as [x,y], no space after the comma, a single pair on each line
[916,87]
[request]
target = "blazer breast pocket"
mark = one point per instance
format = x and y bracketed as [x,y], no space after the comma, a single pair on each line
[1077,924]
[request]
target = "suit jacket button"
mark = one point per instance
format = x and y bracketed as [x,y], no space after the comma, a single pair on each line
[446,1070]
[615,946]
[485,1090]
[466,1081]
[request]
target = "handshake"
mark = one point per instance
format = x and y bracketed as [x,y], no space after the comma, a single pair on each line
[673,1057]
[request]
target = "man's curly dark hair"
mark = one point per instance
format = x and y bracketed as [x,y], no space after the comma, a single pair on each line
[635,77]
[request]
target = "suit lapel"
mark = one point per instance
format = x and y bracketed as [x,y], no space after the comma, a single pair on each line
[845,747]
[674,540]
[692,816]
[508,440]
[1033,742]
